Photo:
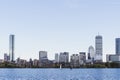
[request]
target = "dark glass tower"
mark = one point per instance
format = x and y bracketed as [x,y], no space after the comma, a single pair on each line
[118,46]
[11,47]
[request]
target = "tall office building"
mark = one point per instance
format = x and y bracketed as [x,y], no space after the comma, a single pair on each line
[56,58]
[118,46]
[11,47]
[98,48]
[91,53]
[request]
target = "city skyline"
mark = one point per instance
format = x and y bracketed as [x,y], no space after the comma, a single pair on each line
[96,55]
[58,26]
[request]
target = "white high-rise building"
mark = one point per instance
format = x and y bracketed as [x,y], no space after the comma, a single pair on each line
[56,58]
[91,53]
[82,58]
[98,48]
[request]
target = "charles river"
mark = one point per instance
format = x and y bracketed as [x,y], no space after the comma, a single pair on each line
[59,74]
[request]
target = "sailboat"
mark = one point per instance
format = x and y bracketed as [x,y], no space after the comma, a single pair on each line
[60,66]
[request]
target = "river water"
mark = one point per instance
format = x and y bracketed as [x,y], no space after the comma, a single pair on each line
[59,74]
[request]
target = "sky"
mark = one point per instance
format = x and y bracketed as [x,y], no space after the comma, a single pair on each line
[58,26]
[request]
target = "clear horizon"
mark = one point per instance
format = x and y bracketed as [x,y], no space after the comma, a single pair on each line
[58,26]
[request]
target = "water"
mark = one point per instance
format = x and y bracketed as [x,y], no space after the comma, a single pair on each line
[59,74]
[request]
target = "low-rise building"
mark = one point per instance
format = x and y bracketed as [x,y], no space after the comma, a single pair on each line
[74,60]
[113,58]
[35,62]
[6,57]
[21,62]
[82,58]
[64,57]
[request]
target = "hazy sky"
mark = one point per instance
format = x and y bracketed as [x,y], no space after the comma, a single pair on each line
[58,25]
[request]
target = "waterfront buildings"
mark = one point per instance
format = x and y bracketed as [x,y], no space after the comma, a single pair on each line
[21,62]
[74,60]
[115,57]
[43,59]
[35,62]
[6,57]
[82,58]
[64,57]
[78,59]
[1,60]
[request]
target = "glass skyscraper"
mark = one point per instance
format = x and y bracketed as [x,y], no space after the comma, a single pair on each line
[98,48]
[11,47]
[118,46]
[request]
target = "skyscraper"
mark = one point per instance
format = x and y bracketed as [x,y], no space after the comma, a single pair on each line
[118,46]
[56,58]
[11,47]
[98,48]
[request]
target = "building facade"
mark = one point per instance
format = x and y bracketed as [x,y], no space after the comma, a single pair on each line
[56,58]
[6,57]
[11,47]
[117,46]
[35,63]
[91,53]
[74,60]
[113,58]
[82,58]
[64,57]
[98,48]
[43,59]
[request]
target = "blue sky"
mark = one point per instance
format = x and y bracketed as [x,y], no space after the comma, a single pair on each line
[58,25]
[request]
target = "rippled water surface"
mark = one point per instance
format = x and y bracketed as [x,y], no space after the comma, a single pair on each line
[59,74]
